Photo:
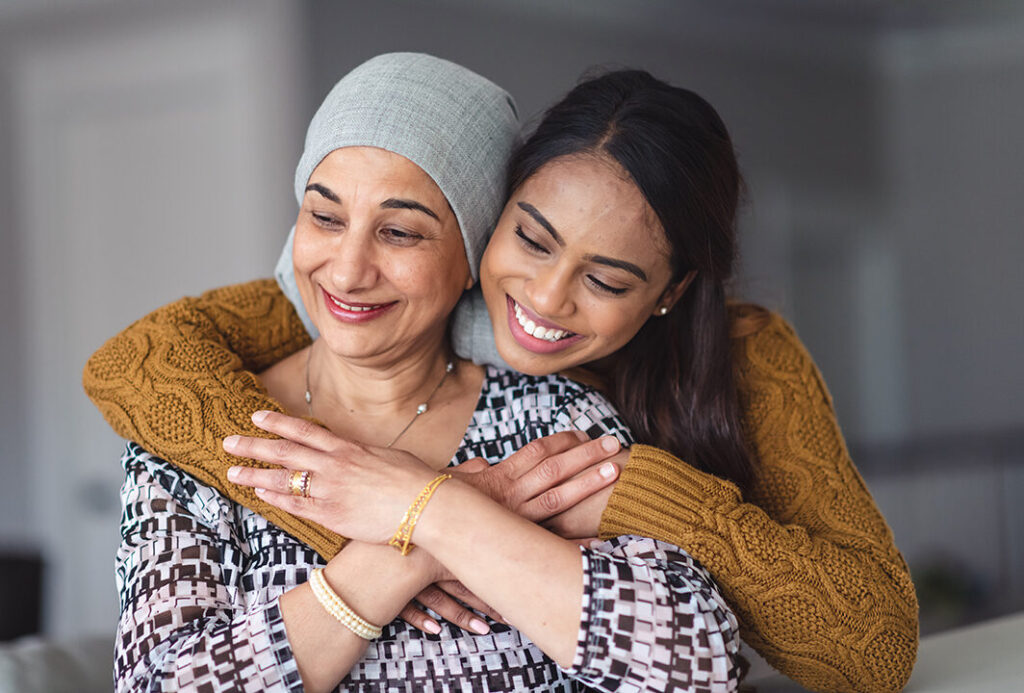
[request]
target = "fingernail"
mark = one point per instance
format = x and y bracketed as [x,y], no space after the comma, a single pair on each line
[479,627]
[610,443]
[231,442]
[258,416]
[233,473]
[607,470]
[582,436]
[260,491]
[432,627]
[596,544]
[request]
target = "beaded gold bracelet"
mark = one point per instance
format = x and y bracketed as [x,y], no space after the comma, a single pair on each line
[336,607]
[403,536]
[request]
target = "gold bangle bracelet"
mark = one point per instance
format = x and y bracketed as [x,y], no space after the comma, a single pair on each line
[336,607]
[402,540]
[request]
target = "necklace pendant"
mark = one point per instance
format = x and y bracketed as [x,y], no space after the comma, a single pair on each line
[309,397]
[422,409]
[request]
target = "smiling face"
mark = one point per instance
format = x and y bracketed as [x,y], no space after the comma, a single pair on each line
[577,264]
[379,260]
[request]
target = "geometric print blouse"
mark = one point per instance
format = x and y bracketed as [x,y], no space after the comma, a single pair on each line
[199,578]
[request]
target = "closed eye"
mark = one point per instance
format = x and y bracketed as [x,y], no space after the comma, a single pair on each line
[324,220]
[601,286]
[529,242]
[400,237]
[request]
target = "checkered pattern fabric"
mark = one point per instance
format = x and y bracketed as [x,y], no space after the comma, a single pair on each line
[199,579]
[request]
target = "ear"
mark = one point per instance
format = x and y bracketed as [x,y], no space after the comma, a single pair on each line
[673,293]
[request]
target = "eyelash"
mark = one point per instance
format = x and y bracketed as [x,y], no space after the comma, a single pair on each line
[324,220]
[601,286]
[529,242]
[536,247]
[393,234]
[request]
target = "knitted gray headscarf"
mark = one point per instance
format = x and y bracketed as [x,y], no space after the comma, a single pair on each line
[454,124]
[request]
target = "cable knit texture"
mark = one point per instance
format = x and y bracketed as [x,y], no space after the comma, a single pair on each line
[806,560]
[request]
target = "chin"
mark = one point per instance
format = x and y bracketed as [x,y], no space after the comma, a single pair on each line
[531,363]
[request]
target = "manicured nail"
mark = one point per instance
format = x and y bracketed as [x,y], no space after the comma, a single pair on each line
[231,442]
[596,544]
[260,491]
[432,627]
[582,436]
[607,470]
[479,627]
[258,416]
[234,472]
[610,443]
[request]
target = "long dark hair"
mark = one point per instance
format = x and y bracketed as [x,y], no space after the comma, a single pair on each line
[674,382]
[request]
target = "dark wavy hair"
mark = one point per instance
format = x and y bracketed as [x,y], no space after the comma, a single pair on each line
[674,382]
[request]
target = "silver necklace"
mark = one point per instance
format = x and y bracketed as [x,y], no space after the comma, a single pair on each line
[420,410]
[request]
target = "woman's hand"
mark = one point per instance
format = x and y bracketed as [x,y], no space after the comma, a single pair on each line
[559,478]
[549,476]
[358,491]
[451,601]
[583,518]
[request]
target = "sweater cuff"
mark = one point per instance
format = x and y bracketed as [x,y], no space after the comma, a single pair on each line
[660,496]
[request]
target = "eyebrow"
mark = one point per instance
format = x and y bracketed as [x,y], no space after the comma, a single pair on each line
[599,259]
[323,190]
[390,203]
[394,203]
[539,218]
[621,264]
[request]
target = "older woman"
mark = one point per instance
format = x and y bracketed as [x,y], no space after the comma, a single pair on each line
[401,164]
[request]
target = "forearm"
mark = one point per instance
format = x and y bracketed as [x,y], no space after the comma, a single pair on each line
[841,580]
[533,578]
[375,582]
[580,609]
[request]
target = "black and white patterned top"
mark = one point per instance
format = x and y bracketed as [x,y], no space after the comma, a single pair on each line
[199,578]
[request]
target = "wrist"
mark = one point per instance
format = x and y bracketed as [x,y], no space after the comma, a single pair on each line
[376,581]
[453,501]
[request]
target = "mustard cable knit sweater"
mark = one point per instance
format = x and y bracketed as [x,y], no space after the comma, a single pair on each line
[806,560]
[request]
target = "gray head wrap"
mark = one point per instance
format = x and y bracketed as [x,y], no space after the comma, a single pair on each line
[454,124]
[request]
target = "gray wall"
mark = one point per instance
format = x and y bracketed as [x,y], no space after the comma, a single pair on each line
[880,142]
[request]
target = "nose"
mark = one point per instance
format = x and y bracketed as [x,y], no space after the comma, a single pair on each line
[550,291]
[354,261]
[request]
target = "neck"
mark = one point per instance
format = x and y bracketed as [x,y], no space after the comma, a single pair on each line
[385,389]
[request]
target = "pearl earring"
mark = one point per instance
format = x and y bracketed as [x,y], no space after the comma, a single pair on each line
[663,310]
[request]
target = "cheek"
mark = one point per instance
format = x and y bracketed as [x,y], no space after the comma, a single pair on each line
[498,262]
[304,253]
[615,325]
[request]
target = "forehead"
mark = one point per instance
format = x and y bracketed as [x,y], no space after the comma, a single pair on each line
[592,201]
[393,174]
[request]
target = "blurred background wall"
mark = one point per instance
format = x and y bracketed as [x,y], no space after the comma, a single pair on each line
[147,151]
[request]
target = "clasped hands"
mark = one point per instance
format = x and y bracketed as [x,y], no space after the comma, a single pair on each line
[562,482]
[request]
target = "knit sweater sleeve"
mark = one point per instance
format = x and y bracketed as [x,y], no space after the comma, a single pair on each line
[807,562]
[182,378]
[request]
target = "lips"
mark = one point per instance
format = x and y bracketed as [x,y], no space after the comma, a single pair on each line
[535,334]
[354,312]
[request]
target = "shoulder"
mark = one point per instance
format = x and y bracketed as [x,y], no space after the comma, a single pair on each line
[766,348]
[549,387]
[257,298]
[246,291]
[538,393]
[552,399]
[157,482]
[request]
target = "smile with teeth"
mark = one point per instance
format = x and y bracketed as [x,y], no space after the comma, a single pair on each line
[354,309]
[539,331]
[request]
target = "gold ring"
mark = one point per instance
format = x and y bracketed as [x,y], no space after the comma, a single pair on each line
[298,483]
